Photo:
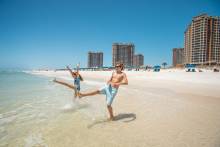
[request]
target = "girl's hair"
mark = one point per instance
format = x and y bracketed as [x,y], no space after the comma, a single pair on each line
[74,73]
[77,74]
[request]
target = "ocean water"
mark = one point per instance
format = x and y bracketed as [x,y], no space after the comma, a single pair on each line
[29,102]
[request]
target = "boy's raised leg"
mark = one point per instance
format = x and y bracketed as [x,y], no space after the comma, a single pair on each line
[88,94]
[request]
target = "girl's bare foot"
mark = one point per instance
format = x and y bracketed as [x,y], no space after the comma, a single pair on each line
[54,80]
[80,95]
[75,95]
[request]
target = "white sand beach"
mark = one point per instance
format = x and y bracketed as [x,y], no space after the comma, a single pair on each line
[165,109]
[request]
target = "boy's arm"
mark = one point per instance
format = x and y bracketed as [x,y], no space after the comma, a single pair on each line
[125,80]
[109,81]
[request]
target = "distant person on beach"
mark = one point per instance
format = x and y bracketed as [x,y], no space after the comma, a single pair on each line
[111,88]
[77,78]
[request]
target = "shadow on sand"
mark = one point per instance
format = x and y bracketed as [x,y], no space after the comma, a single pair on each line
[124,117]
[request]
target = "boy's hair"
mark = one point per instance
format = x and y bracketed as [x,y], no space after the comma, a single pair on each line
[121,65]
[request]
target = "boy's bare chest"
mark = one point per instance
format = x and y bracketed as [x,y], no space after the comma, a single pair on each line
[118,77]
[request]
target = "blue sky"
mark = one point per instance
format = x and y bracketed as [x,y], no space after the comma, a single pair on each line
[55,33]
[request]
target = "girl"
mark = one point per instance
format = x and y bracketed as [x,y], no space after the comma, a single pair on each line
[77,78]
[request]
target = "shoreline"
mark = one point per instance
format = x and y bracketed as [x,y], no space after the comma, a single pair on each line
[155,109]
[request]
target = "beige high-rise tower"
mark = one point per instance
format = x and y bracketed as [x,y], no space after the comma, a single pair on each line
[95,59]
[123,53]
[202,40]
[178,57]
[138,60]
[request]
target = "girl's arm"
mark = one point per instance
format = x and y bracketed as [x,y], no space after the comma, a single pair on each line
[81,78]
[68,68]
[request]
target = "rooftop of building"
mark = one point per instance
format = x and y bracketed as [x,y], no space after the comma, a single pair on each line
[139,55]
[204,15]
[179,48]
[95,52]
[122,43]
[200,16]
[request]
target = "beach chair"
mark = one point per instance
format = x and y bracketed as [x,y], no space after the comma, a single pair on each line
[190,68]
[156,68]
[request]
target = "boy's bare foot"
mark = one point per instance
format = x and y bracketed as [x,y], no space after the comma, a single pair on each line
[111,118]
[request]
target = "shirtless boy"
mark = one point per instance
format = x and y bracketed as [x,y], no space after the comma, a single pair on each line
[111,88]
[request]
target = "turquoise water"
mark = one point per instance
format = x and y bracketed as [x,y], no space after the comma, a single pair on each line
[28,102]
[18,86]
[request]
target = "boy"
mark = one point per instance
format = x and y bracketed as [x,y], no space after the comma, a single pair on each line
[111,88]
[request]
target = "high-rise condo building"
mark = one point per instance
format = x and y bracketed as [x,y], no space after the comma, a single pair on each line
[138,60]
[123,53]
[178,56]
[95,59]
[202,40]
